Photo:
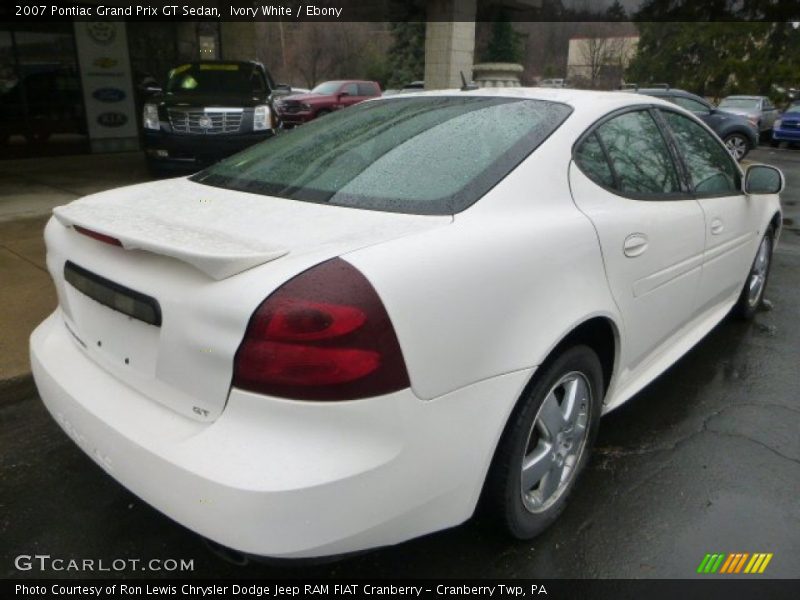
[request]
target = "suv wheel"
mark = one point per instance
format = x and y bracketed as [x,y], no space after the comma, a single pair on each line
[737,145]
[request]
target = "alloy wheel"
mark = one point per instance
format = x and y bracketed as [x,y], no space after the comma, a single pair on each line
[758,274]
[556,442]
[737,146]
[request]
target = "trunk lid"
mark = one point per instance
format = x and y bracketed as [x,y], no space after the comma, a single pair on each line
[207,257]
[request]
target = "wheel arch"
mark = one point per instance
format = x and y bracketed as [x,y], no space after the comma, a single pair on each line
[776,222]
[600,333]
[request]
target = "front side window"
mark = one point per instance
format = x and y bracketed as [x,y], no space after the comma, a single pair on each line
[639,155]
[424,155]
[350,89]
[711,167]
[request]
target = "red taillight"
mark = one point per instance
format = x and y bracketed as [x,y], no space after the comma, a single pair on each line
[100,237]
[323,335]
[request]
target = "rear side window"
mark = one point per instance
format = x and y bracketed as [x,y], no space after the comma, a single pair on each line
[711,167]
[592,160]
[689,104]
[640,158]
[367,89]
[424,155]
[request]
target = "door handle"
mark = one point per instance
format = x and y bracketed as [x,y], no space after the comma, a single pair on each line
[717,226]
[635,245]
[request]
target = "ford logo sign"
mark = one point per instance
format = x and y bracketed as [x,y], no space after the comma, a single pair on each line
[112,119]
[108,94]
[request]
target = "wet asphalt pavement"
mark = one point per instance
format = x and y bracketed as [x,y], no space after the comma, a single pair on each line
[704,460]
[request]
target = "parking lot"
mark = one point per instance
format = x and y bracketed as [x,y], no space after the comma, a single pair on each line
[706,459]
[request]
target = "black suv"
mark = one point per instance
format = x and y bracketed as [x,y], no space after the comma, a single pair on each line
[207,111]
[739,135]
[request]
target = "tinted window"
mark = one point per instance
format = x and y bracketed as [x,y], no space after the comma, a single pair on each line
[427,155]
[350,88]
[328,88]
[367,89]
[210,78]
[689,104]
[710,165]
[639,155]
[747,103]
[592,161]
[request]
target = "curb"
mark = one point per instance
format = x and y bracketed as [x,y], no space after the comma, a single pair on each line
[16,388]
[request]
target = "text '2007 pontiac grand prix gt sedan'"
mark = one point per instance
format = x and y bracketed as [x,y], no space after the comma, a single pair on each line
[359,331]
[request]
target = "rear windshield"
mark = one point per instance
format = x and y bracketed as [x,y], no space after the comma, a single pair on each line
[739,103]
[425,155]
[215,78]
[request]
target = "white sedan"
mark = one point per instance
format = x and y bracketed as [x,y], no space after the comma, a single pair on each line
[358,332]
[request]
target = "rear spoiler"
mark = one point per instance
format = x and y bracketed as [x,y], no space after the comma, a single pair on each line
[217,254]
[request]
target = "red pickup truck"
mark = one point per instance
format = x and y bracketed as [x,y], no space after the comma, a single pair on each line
[325,98]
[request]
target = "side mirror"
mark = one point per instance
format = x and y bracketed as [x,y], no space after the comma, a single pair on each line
[763,179]
[344,94]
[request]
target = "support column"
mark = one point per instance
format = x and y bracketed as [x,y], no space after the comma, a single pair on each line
[449,43]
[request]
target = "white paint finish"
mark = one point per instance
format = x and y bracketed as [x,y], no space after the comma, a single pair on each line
[477,301]
[656,291]
[280,478]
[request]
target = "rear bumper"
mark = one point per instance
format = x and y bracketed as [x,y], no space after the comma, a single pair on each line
[282,478]
[171,151]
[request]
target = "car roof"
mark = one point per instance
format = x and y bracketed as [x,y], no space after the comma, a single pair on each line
[249,63]
[744,97]
[343,81]
[670,92]
[579,99]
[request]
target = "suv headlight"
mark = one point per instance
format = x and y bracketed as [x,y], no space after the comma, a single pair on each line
[262,118]
[776,124]
[150,116]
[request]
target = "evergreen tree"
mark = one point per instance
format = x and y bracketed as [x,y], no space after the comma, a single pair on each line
[504,44]
[407,53]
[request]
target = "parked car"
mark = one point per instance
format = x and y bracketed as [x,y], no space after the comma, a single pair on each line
[324,99]
[787,127]
[739,135]
[553,83]
[207,111]
[759,110]
[345,337]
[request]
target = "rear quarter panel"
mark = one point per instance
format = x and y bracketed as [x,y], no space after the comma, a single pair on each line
[496,291]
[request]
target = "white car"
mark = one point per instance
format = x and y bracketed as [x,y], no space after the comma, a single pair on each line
[346,336]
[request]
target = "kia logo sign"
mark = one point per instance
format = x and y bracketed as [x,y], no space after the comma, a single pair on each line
[112,119]
[108,94]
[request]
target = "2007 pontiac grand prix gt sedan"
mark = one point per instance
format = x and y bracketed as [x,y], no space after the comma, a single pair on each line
[361,330]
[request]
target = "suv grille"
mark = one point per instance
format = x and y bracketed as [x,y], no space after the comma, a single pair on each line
[206,121]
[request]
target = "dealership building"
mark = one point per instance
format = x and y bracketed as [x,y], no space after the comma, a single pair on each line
[71,87]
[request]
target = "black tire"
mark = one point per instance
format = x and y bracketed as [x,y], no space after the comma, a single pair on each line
[503,499]
[323,112]
[736,143]
[747,305]
[775,143]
